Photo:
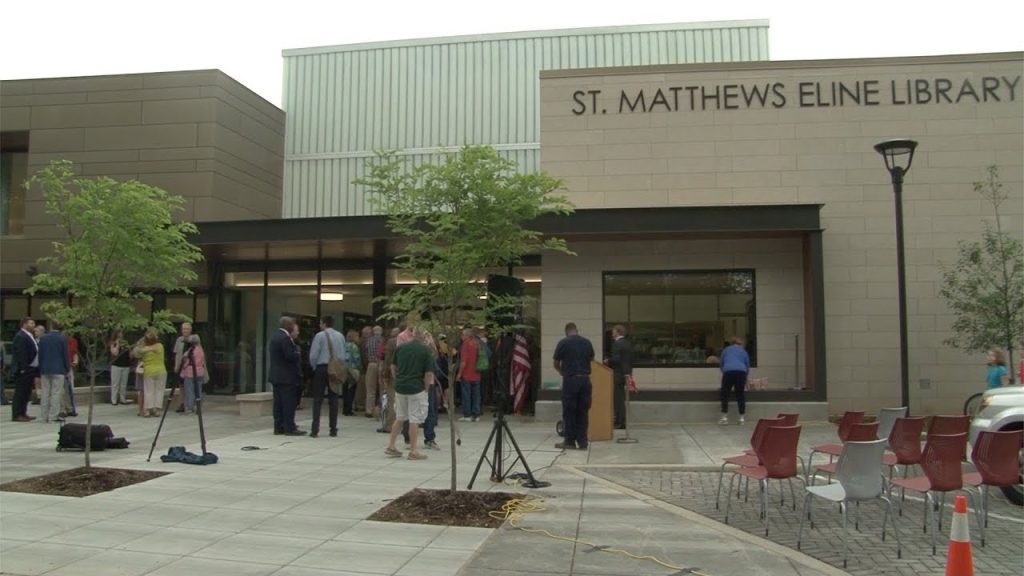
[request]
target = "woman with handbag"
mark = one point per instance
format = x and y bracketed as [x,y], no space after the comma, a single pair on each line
[193,372]
[120,368]
[139,372]
[154,373]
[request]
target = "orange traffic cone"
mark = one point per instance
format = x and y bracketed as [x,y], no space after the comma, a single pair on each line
[958,558]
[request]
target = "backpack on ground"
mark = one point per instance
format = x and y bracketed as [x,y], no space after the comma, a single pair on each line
[117,442]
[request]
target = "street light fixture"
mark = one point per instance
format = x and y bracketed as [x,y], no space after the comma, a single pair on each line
[895,153]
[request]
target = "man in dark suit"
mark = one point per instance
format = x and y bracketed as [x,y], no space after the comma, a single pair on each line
[621,362]
[285,377]
[25,369]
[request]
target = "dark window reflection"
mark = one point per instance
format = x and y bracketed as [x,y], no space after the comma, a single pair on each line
[681,318]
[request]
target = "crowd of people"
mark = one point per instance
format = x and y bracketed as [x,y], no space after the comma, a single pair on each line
[43,362]
[398,381]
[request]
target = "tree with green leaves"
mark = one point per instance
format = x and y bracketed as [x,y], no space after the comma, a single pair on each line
[985,287]
[118,243]
[460,217]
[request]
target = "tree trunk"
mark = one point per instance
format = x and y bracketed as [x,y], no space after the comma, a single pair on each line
[450,400]
[88,421]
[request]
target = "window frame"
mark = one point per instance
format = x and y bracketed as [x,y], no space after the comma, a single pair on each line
[751,344]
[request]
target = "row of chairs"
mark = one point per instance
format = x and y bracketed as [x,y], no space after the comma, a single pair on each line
[862,451]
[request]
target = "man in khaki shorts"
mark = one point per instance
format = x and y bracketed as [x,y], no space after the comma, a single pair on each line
[413,369]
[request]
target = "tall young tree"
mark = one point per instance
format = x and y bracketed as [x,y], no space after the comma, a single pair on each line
[985,287]
[466,214]
[117,240]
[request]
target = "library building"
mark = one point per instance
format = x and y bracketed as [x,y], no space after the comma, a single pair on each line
[718,194]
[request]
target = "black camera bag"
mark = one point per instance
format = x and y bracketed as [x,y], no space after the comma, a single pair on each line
[72,437]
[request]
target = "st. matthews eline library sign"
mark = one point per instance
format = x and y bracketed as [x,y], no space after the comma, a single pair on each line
[807,94]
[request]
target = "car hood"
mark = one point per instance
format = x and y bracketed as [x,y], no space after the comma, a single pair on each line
[1016,389]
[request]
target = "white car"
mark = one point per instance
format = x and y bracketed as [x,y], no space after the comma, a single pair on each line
[1002,409]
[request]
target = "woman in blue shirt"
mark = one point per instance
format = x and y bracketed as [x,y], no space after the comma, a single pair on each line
[735,366]
[998,375]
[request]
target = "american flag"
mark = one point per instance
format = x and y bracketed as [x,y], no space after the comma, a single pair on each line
[518,384]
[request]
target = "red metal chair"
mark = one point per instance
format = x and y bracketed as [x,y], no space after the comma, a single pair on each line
[779,420]
[778,461]
[789,419]
[905,443]
[847,422]
[862,432]
[941,463]
[748,458]
[834,449]
[996,456]
[945,425]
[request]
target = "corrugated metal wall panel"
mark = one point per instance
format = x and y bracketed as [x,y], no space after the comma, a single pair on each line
[345,103]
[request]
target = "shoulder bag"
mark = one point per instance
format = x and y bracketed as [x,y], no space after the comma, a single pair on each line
[337,372]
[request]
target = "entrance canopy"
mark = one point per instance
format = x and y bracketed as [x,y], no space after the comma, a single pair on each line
[353,255]
[362,231]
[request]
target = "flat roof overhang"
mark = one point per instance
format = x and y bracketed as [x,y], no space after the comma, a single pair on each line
[371,243]
[770,219]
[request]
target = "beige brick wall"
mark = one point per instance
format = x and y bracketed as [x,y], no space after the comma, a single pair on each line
[813,154]
[198,134]
[571,292]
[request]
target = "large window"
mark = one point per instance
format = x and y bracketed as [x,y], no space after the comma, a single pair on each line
[681,318]
[13,172]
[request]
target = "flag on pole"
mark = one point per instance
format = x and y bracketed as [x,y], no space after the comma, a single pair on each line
[519,382]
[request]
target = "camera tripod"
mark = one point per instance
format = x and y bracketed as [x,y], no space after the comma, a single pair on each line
[178,380]
[500,429]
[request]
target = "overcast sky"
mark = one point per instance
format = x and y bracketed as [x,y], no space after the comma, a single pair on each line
[48,38]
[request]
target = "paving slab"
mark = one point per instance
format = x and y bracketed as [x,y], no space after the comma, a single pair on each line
[299,506]
[115,563]
[868,554]
[40,558]
[175,541]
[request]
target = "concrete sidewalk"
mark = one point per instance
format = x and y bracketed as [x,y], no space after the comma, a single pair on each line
[297,506]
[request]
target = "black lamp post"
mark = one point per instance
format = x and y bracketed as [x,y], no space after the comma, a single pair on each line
[898,155]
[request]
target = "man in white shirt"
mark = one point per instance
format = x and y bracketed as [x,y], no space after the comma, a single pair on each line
[328,342]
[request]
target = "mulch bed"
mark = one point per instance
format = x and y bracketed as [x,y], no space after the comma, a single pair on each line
[80,481]
[441,507]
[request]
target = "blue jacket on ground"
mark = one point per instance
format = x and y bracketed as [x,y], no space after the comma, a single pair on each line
[735,359]
[53,354]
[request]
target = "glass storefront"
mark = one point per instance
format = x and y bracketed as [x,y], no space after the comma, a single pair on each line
[237,318]
[251,313]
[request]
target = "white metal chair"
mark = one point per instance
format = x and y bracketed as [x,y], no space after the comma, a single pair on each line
[859,478]
[887,419]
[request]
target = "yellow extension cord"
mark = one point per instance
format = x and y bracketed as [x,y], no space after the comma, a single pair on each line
[516,509]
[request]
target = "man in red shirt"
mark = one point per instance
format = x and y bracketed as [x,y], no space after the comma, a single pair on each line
[468,376]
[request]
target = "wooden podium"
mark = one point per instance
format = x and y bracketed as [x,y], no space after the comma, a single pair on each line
[602,410]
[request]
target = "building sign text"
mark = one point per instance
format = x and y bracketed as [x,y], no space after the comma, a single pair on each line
[820,94]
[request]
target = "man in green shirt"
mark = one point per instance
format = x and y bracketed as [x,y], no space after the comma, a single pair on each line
[413,370]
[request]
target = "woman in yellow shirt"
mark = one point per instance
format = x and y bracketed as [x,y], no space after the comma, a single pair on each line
[154,372]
